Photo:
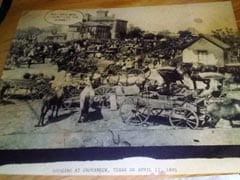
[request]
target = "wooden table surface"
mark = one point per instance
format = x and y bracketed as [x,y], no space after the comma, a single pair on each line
[8,26]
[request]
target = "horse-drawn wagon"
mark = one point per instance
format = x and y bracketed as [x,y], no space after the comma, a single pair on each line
[171,99]
[25,87]
[181,110]
[183,107]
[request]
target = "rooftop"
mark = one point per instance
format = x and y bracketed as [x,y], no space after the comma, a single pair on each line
[216,41]
[211,39]
[88,23]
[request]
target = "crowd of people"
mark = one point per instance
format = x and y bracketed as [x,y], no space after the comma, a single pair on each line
[80,55]
[86,56]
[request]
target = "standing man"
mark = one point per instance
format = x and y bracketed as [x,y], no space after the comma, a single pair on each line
[86,100]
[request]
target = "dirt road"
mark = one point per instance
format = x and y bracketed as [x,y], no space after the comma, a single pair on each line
[18,131]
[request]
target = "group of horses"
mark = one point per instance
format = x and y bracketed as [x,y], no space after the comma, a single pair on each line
[54,100]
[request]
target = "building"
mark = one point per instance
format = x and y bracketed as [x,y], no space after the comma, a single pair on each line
[88,30]
[206,50]
[118,26]
[101,26]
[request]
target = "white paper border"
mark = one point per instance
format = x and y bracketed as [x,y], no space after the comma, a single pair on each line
[128,166]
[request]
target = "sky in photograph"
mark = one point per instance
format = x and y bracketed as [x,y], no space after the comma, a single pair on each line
[203,17]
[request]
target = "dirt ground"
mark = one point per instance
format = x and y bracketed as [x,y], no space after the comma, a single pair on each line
[105,128]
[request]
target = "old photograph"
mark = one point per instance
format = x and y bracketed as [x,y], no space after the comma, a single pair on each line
[122,77]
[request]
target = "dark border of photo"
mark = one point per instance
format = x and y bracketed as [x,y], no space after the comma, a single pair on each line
[116,153]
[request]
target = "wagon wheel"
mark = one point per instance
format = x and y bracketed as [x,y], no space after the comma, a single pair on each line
[134,111]
[102,90]
[102,94]
[182,117]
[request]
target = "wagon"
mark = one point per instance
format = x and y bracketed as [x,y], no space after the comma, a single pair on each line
[26,87]
[73,85]
[102,95]
[180,105]
[181,111]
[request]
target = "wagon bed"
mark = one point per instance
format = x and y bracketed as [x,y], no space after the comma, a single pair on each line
[26,87]
[20,83]
[181,111]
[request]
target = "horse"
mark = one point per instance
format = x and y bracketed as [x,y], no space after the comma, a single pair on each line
[86,100]
[228,109]
[51,101]
[219,105]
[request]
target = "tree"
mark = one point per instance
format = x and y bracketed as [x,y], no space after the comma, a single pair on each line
[229,37]
[33,31]
[184,34]
[28,33]
[226,35]
[135,32]
[164,33]
[149,36]
[21,34]
[159,36]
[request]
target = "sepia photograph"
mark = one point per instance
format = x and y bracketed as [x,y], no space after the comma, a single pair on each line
[151,76]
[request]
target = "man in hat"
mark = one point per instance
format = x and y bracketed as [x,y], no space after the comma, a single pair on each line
[86,100]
